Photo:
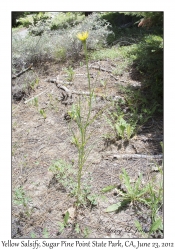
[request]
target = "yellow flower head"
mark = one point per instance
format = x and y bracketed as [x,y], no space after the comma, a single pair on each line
[83,36]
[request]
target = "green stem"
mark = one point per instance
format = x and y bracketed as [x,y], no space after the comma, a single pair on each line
[80,165]
[87,66]
[89,83]
[83,128]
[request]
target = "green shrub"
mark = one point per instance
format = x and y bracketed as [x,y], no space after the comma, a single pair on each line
[26,21]
[32,19]
[30,50]
[65,20]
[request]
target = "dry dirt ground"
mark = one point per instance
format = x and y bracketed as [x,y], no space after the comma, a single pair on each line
[38,142]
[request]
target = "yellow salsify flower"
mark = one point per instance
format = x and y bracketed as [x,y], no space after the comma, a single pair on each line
[83,36]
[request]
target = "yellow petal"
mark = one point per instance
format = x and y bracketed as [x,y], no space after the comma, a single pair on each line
[83,36]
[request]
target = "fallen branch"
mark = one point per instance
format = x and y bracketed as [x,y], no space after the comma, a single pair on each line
[22,72]
[116,78]
[80,93]
[102,69]
[34,97]
[65,89]
[106,70]
[137,156]
[70,92]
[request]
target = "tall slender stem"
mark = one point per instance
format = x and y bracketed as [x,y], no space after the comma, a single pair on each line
[89,84]
[87,66]
[83,124]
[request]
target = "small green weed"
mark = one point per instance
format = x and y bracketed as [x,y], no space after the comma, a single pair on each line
[61,168]
[20,198]
[43,113]
[45,234]
[77,228]
[155,196]
[34,83]
[92,198]
[66,174]
[133,194]
[156,225]
[35,102]
[151,195]
[108,188]
[122,129]
[70,73]
[73,112]
[64,224]
[86,232]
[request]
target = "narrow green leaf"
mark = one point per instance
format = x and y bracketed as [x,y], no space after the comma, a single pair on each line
[108,188]
[128,131]
[126,180]
[113,207]
[161,226]
[141,192]
[138,225]
[156,225]
[66,218]
[137,184]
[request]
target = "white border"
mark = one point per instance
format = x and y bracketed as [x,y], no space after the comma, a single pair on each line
[5,94]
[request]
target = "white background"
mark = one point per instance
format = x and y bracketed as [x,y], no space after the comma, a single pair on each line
[5,95]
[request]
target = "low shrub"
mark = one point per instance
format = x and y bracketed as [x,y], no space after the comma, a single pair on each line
[60,44]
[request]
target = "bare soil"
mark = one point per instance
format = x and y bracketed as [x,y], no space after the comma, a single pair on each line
[38,142]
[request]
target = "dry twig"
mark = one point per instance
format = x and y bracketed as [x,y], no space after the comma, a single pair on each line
[22,72]
[137,156]
[34,97]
